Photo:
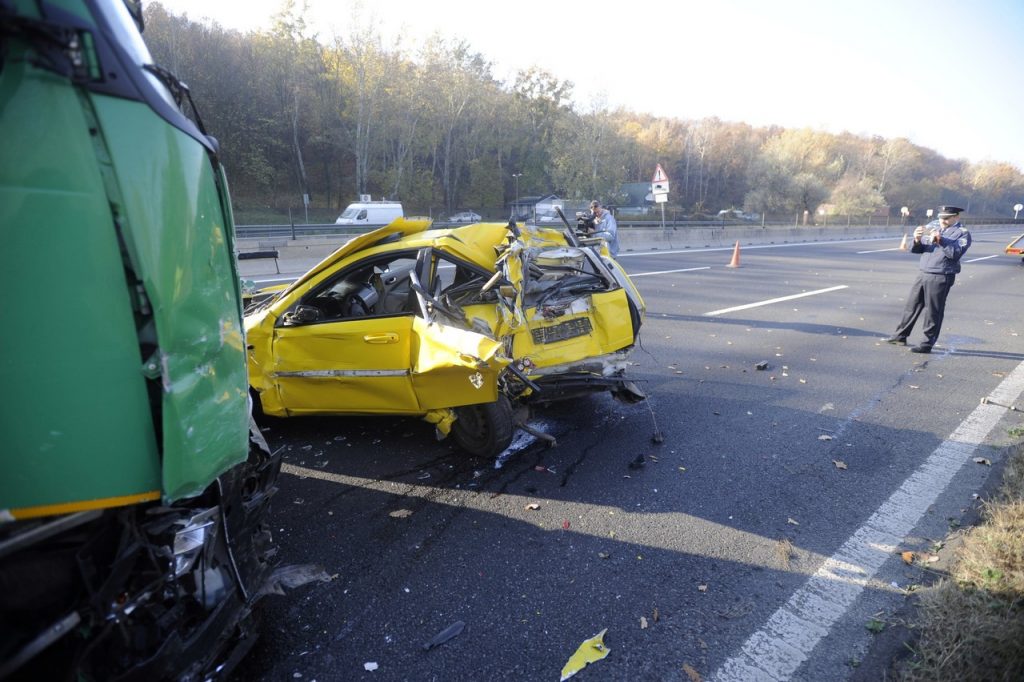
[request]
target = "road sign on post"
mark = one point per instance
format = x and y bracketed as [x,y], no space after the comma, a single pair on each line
[659,188]
[659,183]
[1017,208]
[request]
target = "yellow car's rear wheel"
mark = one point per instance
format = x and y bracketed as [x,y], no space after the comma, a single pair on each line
[484,430]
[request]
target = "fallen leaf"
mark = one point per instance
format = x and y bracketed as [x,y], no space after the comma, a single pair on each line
[803,381]
[840,464]
[533,506]
[691,673]
[603,555]
[702,588]
[370,666]
[908,557]
[824,436]
[643,622]
[400,514]
[792,521]
[982,460]
[656,615]
[565,524]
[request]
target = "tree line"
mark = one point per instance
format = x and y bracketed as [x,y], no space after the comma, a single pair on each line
[331,118]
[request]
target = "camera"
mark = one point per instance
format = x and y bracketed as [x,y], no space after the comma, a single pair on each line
[584,222]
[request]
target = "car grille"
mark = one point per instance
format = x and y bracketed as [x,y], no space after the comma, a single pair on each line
[560,332]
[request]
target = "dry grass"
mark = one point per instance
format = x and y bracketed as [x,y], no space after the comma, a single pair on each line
[972,623]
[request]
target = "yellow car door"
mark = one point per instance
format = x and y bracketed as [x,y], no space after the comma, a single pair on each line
[454,367]
[358,365]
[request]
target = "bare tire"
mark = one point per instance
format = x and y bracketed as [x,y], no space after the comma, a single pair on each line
[484,430]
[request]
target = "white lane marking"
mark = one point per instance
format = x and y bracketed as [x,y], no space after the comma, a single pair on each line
[776,650]
[774,300]
[706,249]
[267,280]
[975,260]
[895,248]
[667,272]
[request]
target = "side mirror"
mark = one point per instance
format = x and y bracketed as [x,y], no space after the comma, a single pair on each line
[303,314]
[135,10]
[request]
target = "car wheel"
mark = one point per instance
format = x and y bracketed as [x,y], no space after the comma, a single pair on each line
[484,430]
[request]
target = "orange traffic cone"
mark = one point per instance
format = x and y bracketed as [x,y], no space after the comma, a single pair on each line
[903,244]
[735,263]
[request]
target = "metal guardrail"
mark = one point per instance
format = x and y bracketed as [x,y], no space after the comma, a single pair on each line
[325,230]
[332,230]
[297,231]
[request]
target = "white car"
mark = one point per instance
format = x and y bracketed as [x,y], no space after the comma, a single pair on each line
[464,217]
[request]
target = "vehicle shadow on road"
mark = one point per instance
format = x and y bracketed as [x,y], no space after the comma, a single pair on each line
[691,535]
[804,327]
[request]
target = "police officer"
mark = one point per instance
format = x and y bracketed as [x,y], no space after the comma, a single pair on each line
[941,244]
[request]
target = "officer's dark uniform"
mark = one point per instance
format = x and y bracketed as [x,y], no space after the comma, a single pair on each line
[940,263]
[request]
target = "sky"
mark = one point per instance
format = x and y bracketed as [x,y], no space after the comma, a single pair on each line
[945,74]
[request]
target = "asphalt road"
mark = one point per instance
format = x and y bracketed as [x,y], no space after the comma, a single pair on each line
[727,552]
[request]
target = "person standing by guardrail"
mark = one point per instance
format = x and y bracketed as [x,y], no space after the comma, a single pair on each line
[941,245]
[605,226]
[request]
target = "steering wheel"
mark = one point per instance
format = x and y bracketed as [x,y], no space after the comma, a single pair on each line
[354,306]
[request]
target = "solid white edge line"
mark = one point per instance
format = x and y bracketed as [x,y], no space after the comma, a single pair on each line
[895,248]
[975,260]
[785,641]
[668,272]
[774,300]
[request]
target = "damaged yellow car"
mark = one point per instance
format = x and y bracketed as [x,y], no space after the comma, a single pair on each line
[455,326]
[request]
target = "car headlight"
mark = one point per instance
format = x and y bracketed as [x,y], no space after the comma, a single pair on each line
[190,540]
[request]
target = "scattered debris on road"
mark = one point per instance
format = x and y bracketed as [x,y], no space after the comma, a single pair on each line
[295,575]
[590,651]
[450,632]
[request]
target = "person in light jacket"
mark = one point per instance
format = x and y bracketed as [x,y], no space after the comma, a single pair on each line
[605,227]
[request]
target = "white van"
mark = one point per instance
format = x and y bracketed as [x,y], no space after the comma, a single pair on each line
[370,213]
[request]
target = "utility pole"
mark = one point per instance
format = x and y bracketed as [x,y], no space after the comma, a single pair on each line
[515,206]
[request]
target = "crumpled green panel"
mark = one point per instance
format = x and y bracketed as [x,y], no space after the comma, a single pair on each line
[179,234]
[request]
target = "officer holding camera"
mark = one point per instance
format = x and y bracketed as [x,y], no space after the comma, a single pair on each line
[604,226]
[941,244]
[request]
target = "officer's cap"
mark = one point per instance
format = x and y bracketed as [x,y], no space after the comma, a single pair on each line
[950,210]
